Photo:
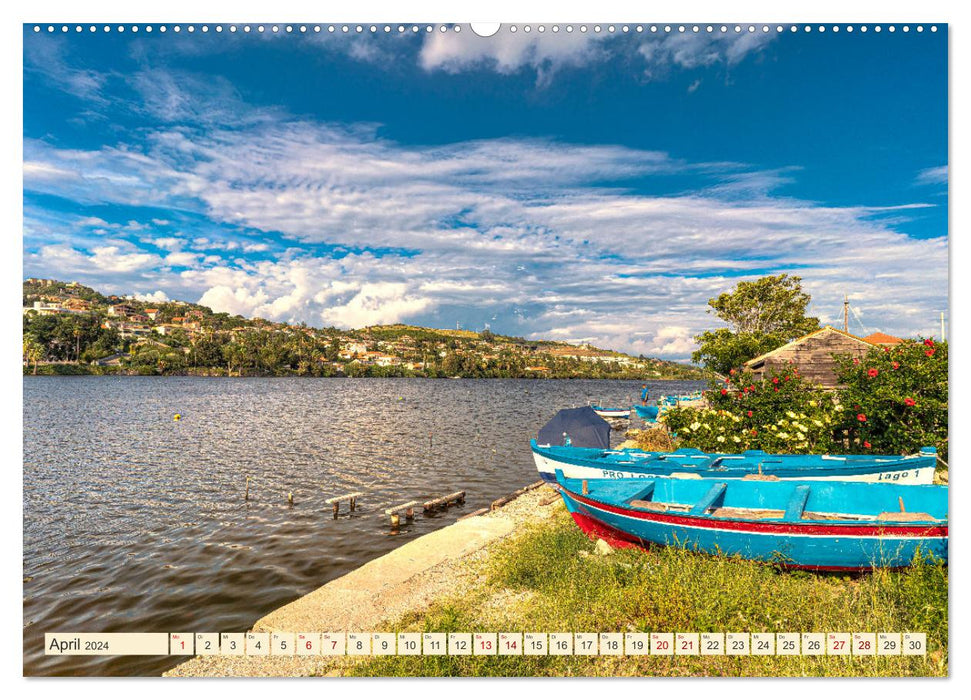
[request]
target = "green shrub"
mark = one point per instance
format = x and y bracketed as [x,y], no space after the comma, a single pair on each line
[783,414]
[895,399]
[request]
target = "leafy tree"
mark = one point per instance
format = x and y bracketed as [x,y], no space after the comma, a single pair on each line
[762,315]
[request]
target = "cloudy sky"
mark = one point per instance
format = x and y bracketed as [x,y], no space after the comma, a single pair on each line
[575,186]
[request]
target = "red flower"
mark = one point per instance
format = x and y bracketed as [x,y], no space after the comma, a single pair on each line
[776,388]
[724,391]
[886,349]
[866,444]
[731,372]
[861,417]
[749,414]
[856,360]
[909,401]
[754,431]
[928,342]
[929,353]
[752,388]
[896,365]
[727,380]
[744,389]
[872,372]
[787,377]
[775,380]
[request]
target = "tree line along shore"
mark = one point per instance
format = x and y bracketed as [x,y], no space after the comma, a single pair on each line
[69,328]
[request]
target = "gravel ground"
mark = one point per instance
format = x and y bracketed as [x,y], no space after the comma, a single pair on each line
[371,598]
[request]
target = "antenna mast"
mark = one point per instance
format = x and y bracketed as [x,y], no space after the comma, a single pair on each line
[846,313]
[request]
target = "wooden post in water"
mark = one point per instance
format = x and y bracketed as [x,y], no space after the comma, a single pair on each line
[444,501]
[336,501]
[395,512]
[246,497]
[290,499]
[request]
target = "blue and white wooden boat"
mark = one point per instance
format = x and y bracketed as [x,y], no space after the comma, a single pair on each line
[832,525]
[606,412]
[688,463]
[648,413]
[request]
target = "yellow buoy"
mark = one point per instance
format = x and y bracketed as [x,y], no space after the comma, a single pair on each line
[177,416]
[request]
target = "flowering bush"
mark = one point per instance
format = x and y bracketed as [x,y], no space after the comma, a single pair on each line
[782,413]
[896,398]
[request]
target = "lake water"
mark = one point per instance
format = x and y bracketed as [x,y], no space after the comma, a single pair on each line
[134,522]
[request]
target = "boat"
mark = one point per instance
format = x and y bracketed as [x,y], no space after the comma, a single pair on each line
[597,462]
[825,526]
[672,401]
[648,413]
[605,412]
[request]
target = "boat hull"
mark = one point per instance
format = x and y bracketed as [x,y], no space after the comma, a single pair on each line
[591,463]
[839,546]
[612,412]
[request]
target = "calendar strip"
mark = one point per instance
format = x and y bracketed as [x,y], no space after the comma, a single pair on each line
[845,644]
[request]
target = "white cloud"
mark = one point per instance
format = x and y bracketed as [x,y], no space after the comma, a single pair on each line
[169,243]
[520,228]
[547,53]
[157,297]
[932,176]
[506,52]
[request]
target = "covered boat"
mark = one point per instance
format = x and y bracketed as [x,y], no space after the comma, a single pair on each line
[832,525]
[577,427]
[597,463]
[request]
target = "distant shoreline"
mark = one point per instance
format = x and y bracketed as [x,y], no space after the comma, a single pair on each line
[207,375]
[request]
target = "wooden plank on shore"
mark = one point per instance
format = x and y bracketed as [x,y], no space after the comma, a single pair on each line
[345,497]
[444,501]
[481,511]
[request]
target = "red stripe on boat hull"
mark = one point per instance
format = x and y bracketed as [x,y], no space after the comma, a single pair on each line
[596,530]
[773,528]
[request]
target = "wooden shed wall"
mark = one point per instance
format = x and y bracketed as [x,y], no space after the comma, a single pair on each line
[814,357]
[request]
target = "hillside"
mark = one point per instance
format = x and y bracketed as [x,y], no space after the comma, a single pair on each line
[72,329]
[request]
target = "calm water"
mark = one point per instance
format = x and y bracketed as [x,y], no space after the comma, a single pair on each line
[135,522]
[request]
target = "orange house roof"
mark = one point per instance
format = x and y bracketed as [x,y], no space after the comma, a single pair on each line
[882,339]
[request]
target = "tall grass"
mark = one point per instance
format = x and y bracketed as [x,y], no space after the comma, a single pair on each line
[549,580]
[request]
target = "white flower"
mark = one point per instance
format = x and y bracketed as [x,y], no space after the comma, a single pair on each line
[736,439]
[783,435]
[790,414]
[800,436]
[721,438]
[695,425]
[817,423]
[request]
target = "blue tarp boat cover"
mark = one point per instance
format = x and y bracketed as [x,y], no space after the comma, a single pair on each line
[583,425]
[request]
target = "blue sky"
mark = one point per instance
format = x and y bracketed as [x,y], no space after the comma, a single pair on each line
[581,186]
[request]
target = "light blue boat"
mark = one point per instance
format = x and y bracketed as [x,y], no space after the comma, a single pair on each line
[689,463]
[648,413]
[831,525]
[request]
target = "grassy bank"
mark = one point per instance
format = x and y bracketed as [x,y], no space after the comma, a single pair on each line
[549,579]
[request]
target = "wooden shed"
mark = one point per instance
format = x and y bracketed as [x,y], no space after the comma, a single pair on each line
[812,354]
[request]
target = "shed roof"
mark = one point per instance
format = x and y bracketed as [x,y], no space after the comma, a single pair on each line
[798,341]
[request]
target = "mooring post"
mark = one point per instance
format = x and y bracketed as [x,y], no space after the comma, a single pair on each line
[353,503]
[395,512]
[584,488]
[290,499]
[337,507]
[246,497]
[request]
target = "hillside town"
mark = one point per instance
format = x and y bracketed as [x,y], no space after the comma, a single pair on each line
[72,329]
